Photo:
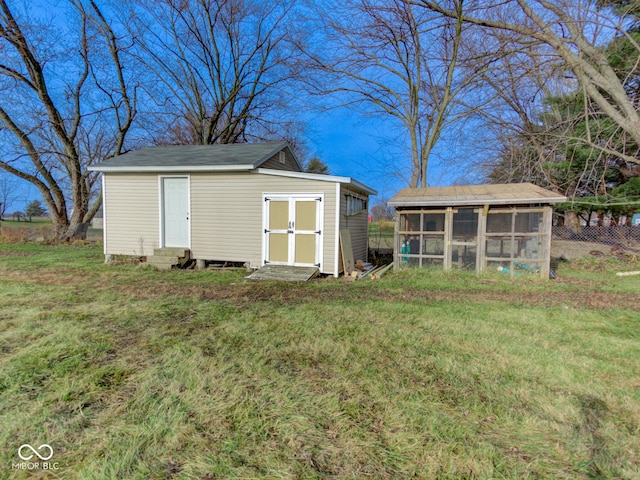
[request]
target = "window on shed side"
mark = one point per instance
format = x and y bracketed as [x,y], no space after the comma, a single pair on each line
[355,204]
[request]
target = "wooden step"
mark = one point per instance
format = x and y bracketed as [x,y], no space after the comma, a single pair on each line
[167,258]
[285,273]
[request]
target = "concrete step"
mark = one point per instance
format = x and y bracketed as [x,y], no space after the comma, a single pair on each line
[156,260]
[166,258]
[162,266]
[171,252]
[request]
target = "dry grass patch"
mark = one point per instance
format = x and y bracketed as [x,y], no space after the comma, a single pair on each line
[131,373]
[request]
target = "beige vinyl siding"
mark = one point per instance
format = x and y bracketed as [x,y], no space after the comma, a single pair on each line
[274,163]
[131,214]
[226,215]
[357,225]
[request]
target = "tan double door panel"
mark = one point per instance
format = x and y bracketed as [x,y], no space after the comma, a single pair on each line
[293,230]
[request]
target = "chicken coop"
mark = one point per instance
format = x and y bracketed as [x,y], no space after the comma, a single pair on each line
[505,227]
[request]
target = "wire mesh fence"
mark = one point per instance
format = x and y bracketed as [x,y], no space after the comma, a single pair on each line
[623,236]
[566,242]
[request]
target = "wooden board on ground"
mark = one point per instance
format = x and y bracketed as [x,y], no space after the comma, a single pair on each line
[285,273]
[381,271]
[346,249]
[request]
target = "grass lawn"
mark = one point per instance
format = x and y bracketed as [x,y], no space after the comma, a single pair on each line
[131,373]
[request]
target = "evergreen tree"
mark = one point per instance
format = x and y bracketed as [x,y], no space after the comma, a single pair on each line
[316,165]
[35,209]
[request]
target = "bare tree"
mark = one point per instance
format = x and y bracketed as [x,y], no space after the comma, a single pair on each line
[551,116]
[222,69]
[381,210]
[8,189]
[398,61]
[527,132]
[573,33]
[65,103]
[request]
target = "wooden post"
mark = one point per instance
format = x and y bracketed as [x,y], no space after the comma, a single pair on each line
[396,244]
[481,240]
[448,234]
[514,247]
[547,221]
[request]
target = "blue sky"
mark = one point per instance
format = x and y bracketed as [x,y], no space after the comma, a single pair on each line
[360,146]
[365,148]
[351,144]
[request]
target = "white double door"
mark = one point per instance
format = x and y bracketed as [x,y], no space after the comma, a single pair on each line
[293,229]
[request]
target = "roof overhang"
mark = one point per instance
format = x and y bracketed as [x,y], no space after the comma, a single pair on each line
[476,203]
[476,195]
[196,158]
[319,177]
[171,168]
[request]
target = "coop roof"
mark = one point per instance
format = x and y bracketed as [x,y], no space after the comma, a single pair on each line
[493,194]
[219,157]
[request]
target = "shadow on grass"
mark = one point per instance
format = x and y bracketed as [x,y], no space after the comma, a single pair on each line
[600,460]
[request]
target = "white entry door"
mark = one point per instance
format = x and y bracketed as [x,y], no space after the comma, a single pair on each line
[293,230]
[175,212]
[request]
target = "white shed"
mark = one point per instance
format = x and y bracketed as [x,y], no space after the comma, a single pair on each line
[248,203]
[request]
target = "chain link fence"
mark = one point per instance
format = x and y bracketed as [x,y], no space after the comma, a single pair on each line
[566,242]
[604,240]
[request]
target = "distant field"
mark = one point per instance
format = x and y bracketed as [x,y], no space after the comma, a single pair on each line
[38,228]
[136,374]
[36,221]
[381,234]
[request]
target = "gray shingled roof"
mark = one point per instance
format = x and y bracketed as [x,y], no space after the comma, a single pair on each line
[237,156]
[493,194]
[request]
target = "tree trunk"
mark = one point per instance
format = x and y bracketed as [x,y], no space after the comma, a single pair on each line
[68,228]
[72,231]
[59,132]
[77,228]
[571,220]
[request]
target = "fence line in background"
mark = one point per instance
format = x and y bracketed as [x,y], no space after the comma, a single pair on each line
[624,236]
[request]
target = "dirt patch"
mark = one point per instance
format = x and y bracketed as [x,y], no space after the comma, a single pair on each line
[583,295]
[570,249]
[8,253]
